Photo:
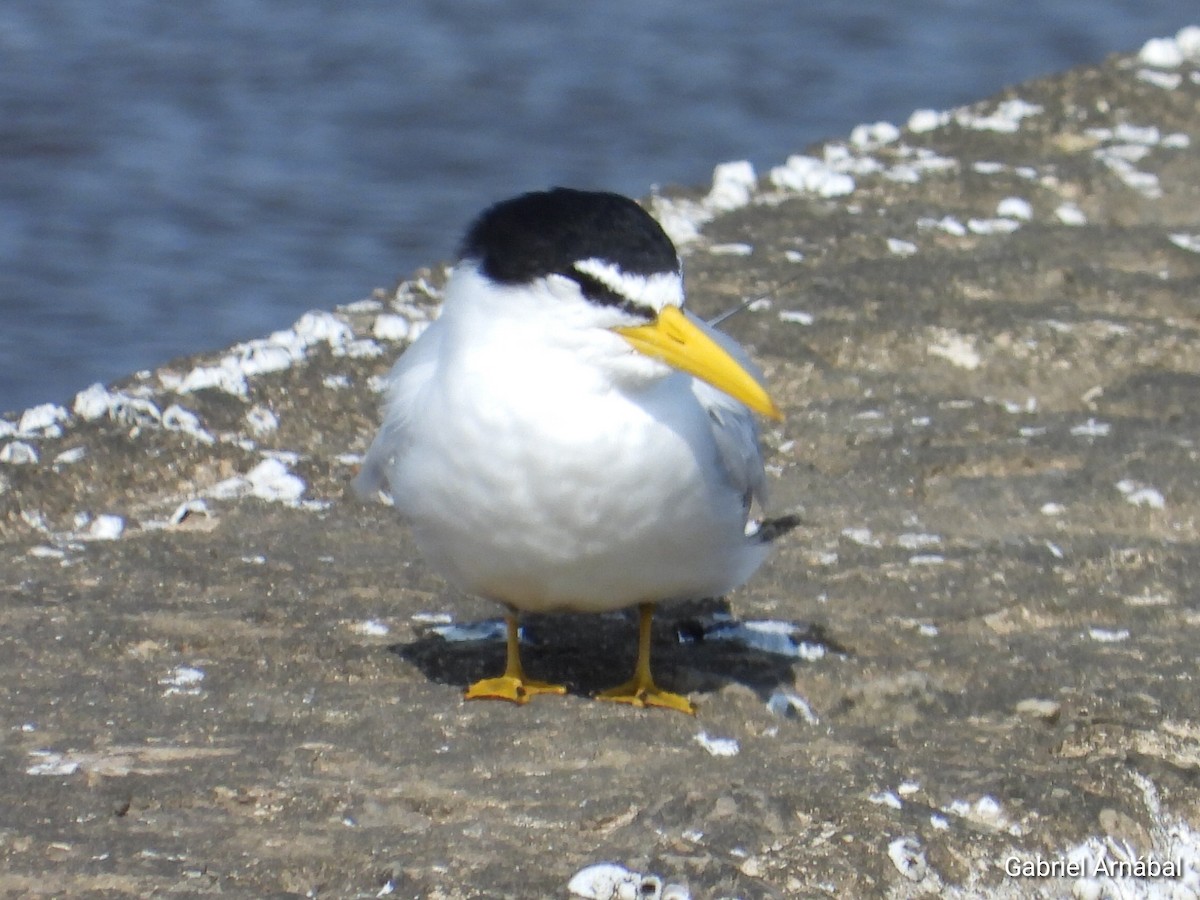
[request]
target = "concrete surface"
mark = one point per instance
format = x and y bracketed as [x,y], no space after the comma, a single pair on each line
[983,329]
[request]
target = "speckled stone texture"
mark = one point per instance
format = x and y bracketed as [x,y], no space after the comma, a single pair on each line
[983,329]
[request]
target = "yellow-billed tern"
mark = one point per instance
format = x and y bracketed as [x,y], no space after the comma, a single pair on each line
[566,437]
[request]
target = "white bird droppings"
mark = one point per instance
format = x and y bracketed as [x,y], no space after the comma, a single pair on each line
[182,680]
[921,161]
[873,136]
[272,354]
[1120,159]
[1162,53]
[432,618]
[1141,494]
[269,480]
[955,348]
[67,457]
[1091,428]
[1168,81]
[900,247]
[734,249]
[42,420]
[992,226]
[43,552]
[490,630]
[986,811]
[261,420]
[1147,598]
[912,540]
[319,326]
[988,808]
[226,378]
[796,317]
[1038,708]
[97,402]
[1015,208]
[1070,214]
[886,798]
[390,327]
[908,858]
[861,536]
[948,224]
[733,185]
[767,636]
[612,881]
[1005,119]
[105,528]
[923,120]
[1105,859]
[718,746]
[1108,635]
[186,510]
[177,418]
[791,705]
[809,175]
[363,348]
[1127,133]
[1189,242]
[370,628]
[1187,39]
[680,219]
[52,763]
[18,453]
[841,158]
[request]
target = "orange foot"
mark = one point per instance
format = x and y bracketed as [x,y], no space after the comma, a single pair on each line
[513,688]
[643,692]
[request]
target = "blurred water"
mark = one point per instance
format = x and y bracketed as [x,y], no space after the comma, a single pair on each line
[175,177]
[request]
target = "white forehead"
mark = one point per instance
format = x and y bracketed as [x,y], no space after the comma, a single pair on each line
[655,291]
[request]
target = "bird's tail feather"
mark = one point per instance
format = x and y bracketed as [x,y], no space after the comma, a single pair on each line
[771,529]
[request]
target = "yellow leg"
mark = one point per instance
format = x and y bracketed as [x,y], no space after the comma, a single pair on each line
[641,690]
[512,685]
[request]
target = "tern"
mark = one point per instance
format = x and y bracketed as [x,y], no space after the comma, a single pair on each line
[567,437]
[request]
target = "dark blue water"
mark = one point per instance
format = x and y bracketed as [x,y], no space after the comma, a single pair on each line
[178,176]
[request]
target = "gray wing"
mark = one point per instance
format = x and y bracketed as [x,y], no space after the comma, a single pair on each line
[734,427]
[406,382]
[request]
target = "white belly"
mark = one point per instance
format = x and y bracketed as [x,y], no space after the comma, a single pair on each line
[570,495]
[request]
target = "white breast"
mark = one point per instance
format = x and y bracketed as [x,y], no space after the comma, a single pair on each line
[545,487]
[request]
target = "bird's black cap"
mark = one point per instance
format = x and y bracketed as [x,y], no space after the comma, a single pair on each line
[547,232]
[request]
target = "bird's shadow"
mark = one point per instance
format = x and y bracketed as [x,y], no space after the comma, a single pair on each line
[697,646]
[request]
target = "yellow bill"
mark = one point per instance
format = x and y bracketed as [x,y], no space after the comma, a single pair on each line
[681,344]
